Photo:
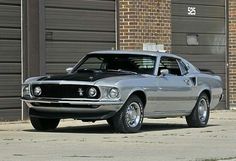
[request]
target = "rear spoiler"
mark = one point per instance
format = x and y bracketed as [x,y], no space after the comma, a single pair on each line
[207,71]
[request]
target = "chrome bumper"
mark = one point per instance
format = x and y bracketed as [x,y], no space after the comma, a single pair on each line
[77,109]
[72,102]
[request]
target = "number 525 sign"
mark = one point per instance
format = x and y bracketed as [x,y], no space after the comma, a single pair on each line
[192,11]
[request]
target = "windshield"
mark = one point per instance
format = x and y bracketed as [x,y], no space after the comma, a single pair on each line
[141,64]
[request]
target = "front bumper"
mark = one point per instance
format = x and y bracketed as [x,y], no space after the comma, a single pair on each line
[76,109]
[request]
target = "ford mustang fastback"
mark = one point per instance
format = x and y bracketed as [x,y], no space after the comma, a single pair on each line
[123,87]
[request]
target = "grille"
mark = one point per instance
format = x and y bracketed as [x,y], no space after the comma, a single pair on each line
[64,91]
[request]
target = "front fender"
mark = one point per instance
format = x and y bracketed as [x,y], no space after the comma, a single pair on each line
[32,79]
[132,91]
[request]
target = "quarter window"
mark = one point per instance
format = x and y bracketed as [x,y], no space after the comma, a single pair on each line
[171,64]
[183,67]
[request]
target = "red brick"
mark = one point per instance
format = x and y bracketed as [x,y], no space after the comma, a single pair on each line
[146,21]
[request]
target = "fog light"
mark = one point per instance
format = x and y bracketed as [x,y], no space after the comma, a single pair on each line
[37,91]
[114,93]
[92,92]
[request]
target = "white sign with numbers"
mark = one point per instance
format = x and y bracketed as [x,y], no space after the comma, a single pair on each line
[192,11]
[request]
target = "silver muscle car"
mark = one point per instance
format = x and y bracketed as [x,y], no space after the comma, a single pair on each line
[123,87]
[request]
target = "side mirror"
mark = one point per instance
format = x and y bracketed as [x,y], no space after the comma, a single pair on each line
[68,70]
[164,72]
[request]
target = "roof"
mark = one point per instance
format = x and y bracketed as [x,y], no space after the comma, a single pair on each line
[134,52]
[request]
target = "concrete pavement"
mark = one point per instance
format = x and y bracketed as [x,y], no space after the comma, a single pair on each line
[159,140]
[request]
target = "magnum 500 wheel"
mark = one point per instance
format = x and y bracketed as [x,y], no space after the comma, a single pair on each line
[200,114]
[130,118]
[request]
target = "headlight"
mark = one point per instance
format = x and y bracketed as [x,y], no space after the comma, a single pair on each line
[92,92]
[37,91]
[25,90]
[114,93]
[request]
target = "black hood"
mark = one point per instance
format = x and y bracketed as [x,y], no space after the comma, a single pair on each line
[83,76]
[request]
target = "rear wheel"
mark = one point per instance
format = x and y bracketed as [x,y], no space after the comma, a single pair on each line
[42,124]
[129,119]
[200,114]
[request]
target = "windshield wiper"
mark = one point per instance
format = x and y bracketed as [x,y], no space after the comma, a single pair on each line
[89,70]
[121,70]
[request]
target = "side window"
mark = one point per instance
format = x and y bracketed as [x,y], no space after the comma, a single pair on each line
[171,64]
[183,67]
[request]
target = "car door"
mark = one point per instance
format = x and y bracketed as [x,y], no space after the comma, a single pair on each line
[174,88]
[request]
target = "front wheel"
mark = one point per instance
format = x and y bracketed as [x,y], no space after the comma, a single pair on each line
[200,114]
[42,124]
[130,118]
[110,122]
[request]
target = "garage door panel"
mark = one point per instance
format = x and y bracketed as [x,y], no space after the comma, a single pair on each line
[203,57]
[10,91]
[207,28]
[79,20]
[16,2]
[215,69]
[188,24]
[202,11]
[10,16]
[10,114]
[10,68]
[58,68]
[72,51]
[82,4]
[203,2]
[57,35]
[10,50]
[10,86]
[9,80]
[8,33]
[75,28]
[9,103]
[199,49]
[210,65]
[203,39]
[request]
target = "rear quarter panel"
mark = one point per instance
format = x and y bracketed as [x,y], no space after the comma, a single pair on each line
[211,83]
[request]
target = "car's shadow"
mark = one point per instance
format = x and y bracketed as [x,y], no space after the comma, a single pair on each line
[106,129]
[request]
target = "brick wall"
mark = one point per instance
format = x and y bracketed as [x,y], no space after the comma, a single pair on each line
[144,21]
[232,53]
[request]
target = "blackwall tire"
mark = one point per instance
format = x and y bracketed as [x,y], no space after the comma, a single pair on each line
[42,124]
[130,118]
[110,122]
[201,112]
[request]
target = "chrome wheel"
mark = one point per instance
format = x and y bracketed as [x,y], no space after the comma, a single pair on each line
[202,110]
[133,114]
[130,117]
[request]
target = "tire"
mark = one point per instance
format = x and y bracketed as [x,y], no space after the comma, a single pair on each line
[42,124]
[201,112]
[130,118]
[110,122]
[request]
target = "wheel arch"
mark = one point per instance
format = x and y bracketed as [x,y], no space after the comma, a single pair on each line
[141,94]
[208,93]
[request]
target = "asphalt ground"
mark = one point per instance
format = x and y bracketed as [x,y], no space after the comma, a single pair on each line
[159,140]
